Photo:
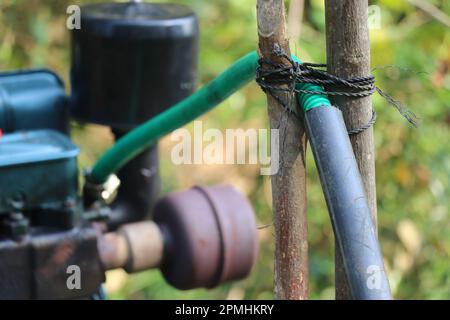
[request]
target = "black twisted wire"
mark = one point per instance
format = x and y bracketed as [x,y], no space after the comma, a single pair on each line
[281,78]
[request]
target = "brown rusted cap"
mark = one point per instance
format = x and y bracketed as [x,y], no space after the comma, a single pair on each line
[210,236]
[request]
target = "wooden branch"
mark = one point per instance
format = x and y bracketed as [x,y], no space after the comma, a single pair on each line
[295,18]
[432,10]
[348,55]
[289,184]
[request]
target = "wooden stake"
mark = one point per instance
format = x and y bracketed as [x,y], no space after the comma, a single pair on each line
[348,55]
[295,19]
[289,184]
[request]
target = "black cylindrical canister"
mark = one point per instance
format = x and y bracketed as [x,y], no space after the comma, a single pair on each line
[130,61]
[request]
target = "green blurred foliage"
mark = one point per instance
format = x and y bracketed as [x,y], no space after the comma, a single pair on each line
[411,60]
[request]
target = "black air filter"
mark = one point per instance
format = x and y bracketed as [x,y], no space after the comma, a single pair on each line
[130,61]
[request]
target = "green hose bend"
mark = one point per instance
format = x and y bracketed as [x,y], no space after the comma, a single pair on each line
[209,96]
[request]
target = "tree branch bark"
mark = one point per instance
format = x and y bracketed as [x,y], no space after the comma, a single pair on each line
[289,184]
[348,55]
[432,10]
[295,18]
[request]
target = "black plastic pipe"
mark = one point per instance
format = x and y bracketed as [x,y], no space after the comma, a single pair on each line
[347,204]
[139,187]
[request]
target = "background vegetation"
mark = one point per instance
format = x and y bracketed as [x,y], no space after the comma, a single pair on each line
[411,54]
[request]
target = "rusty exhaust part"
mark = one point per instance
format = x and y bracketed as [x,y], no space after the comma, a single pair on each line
[210,234]
[199,238]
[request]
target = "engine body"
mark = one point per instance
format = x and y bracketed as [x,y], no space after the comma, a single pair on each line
[130,62]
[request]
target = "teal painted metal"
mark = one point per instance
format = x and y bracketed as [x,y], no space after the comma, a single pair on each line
[31,100]
[38,169]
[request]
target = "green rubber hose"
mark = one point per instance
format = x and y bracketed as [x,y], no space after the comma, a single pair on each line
[209,96]
[308,101]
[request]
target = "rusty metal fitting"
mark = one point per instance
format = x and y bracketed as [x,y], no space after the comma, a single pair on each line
[146,245]
[134,247]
